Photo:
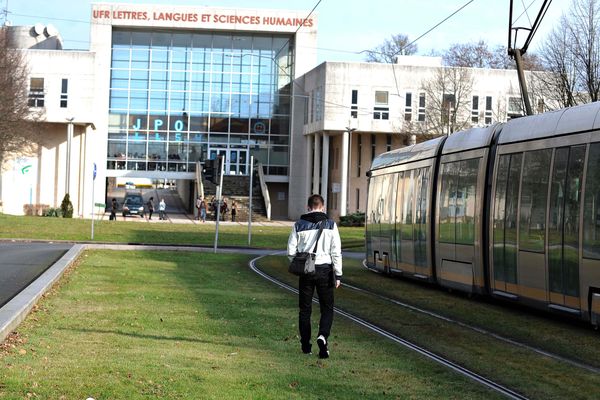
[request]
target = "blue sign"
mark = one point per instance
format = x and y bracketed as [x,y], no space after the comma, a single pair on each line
[95,170]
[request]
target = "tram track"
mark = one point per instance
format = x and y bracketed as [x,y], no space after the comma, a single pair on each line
[497,387]
[474,328]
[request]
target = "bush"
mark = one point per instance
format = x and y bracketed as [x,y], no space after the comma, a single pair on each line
[356,219]
[53,212]
[35,209]
[66,207]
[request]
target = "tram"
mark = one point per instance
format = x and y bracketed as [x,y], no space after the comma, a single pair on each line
[511,211]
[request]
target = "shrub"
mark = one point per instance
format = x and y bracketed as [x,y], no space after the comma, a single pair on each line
[356,219]
[53,212]
[35,209]
[66,207]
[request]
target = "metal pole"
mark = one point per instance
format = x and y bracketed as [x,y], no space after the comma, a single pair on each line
[69,140]
[250,202]
[522,82]
[93,205]
[218,210]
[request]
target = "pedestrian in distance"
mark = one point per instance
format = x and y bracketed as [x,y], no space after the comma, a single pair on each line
[203,210]
[328,271]
[214,206]
[198,205]
[224,209]
[150,205]
[162,206]
[233,210]
[114,206]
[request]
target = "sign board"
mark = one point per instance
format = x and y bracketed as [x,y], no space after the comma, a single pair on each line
[95,171]
[336,187]
[100,205]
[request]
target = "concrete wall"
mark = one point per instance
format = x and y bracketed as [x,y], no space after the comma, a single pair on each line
[278,192]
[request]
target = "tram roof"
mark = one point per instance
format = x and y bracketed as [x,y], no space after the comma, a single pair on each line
[416,152]
[581,118]
[469,139]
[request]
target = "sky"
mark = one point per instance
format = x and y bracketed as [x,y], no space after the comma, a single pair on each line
[345,27]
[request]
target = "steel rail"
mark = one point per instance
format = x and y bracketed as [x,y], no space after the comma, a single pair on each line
[477,329]
[509,393]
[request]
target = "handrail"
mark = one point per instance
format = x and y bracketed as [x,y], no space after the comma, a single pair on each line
[264,190]
[199,182]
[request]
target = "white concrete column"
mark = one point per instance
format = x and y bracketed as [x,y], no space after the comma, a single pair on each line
[309,165]
[344,189]
[325,177]
[316,164]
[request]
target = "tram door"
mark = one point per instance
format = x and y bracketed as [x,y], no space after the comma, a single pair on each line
[563,226]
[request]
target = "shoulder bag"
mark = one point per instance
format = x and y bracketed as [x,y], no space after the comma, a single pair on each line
[303,264]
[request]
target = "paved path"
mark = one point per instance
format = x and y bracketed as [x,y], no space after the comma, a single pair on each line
[21,263]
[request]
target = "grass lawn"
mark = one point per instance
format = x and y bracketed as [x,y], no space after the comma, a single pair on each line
[525,371]
[137,325]
[274,237]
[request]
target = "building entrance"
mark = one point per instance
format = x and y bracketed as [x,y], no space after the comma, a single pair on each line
[236,160]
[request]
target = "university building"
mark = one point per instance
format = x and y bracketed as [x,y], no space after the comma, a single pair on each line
[165,88]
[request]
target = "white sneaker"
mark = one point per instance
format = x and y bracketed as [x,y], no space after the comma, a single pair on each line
[322,343]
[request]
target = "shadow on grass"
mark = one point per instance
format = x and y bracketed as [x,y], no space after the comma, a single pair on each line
[136,335]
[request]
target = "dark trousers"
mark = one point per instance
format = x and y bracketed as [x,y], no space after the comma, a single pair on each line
[323,282]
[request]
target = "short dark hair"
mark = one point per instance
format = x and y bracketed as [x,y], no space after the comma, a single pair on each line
[315,200]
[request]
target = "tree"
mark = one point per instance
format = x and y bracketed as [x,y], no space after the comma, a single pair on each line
[571,55]
[390,48]
[447,103]
[479,55]
[18,130]
[66,207]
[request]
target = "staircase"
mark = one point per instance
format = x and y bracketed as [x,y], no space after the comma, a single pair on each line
[236,188]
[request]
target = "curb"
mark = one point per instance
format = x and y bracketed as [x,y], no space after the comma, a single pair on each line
[15,311]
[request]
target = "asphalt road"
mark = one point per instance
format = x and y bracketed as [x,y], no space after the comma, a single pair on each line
[22,263]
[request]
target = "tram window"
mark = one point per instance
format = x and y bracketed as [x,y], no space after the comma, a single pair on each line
[591,219]
[421,216]
[465,201]
[407,207]
[448,202]
[499,215]
[555,219]
[534,193]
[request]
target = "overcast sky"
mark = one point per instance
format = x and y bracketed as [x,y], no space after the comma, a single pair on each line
[345,27]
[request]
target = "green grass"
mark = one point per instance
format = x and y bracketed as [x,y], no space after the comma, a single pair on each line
[528,372]
[273,237]
[133,325]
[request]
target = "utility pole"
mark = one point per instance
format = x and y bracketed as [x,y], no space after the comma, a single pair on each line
[218,210]
[250,201]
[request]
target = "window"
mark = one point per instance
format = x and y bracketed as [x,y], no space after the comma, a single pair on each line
[388,142]
[563,221]
[488,109]
[534,193]
[591,214]
[421,107]
[64,93]
[408,107]
[36,92]
[354,106]
[407,206]
[357,200]
[505,218]
[381,109]
[475,109]
[422,199]
[515,107]
[541,106]
[373,147]
[458,201]
[318,105]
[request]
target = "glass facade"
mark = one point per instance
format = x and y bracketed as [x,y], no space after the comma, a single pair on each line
[181,97]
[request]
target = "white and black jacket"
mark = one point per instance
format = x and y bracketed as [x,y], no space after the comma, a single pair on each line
[303,236]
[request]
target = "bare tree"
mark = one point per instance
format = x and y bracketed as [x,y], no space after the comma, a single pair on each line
[447,103]
[18,131]
[390,48]
[571,55]
[480,55]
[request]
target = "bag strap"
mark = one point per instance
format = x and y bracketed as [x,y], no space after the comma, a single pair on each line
[318,236]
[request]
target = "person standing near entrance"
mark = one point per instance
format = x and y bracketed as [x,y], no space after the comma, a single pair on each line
[328,271]
[198,206]
[233,210]
[162,206]
[150,207]
[203,210]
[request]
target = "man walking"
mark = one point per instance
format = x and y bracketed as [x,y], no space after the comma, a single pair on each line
[328,270]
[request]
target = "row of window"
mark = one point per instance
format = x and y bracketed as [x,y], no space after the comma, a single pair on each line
[37,93]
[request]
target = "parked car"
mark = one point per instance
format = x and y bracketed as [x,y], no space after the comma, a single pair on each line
[129,185]
[133,205]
